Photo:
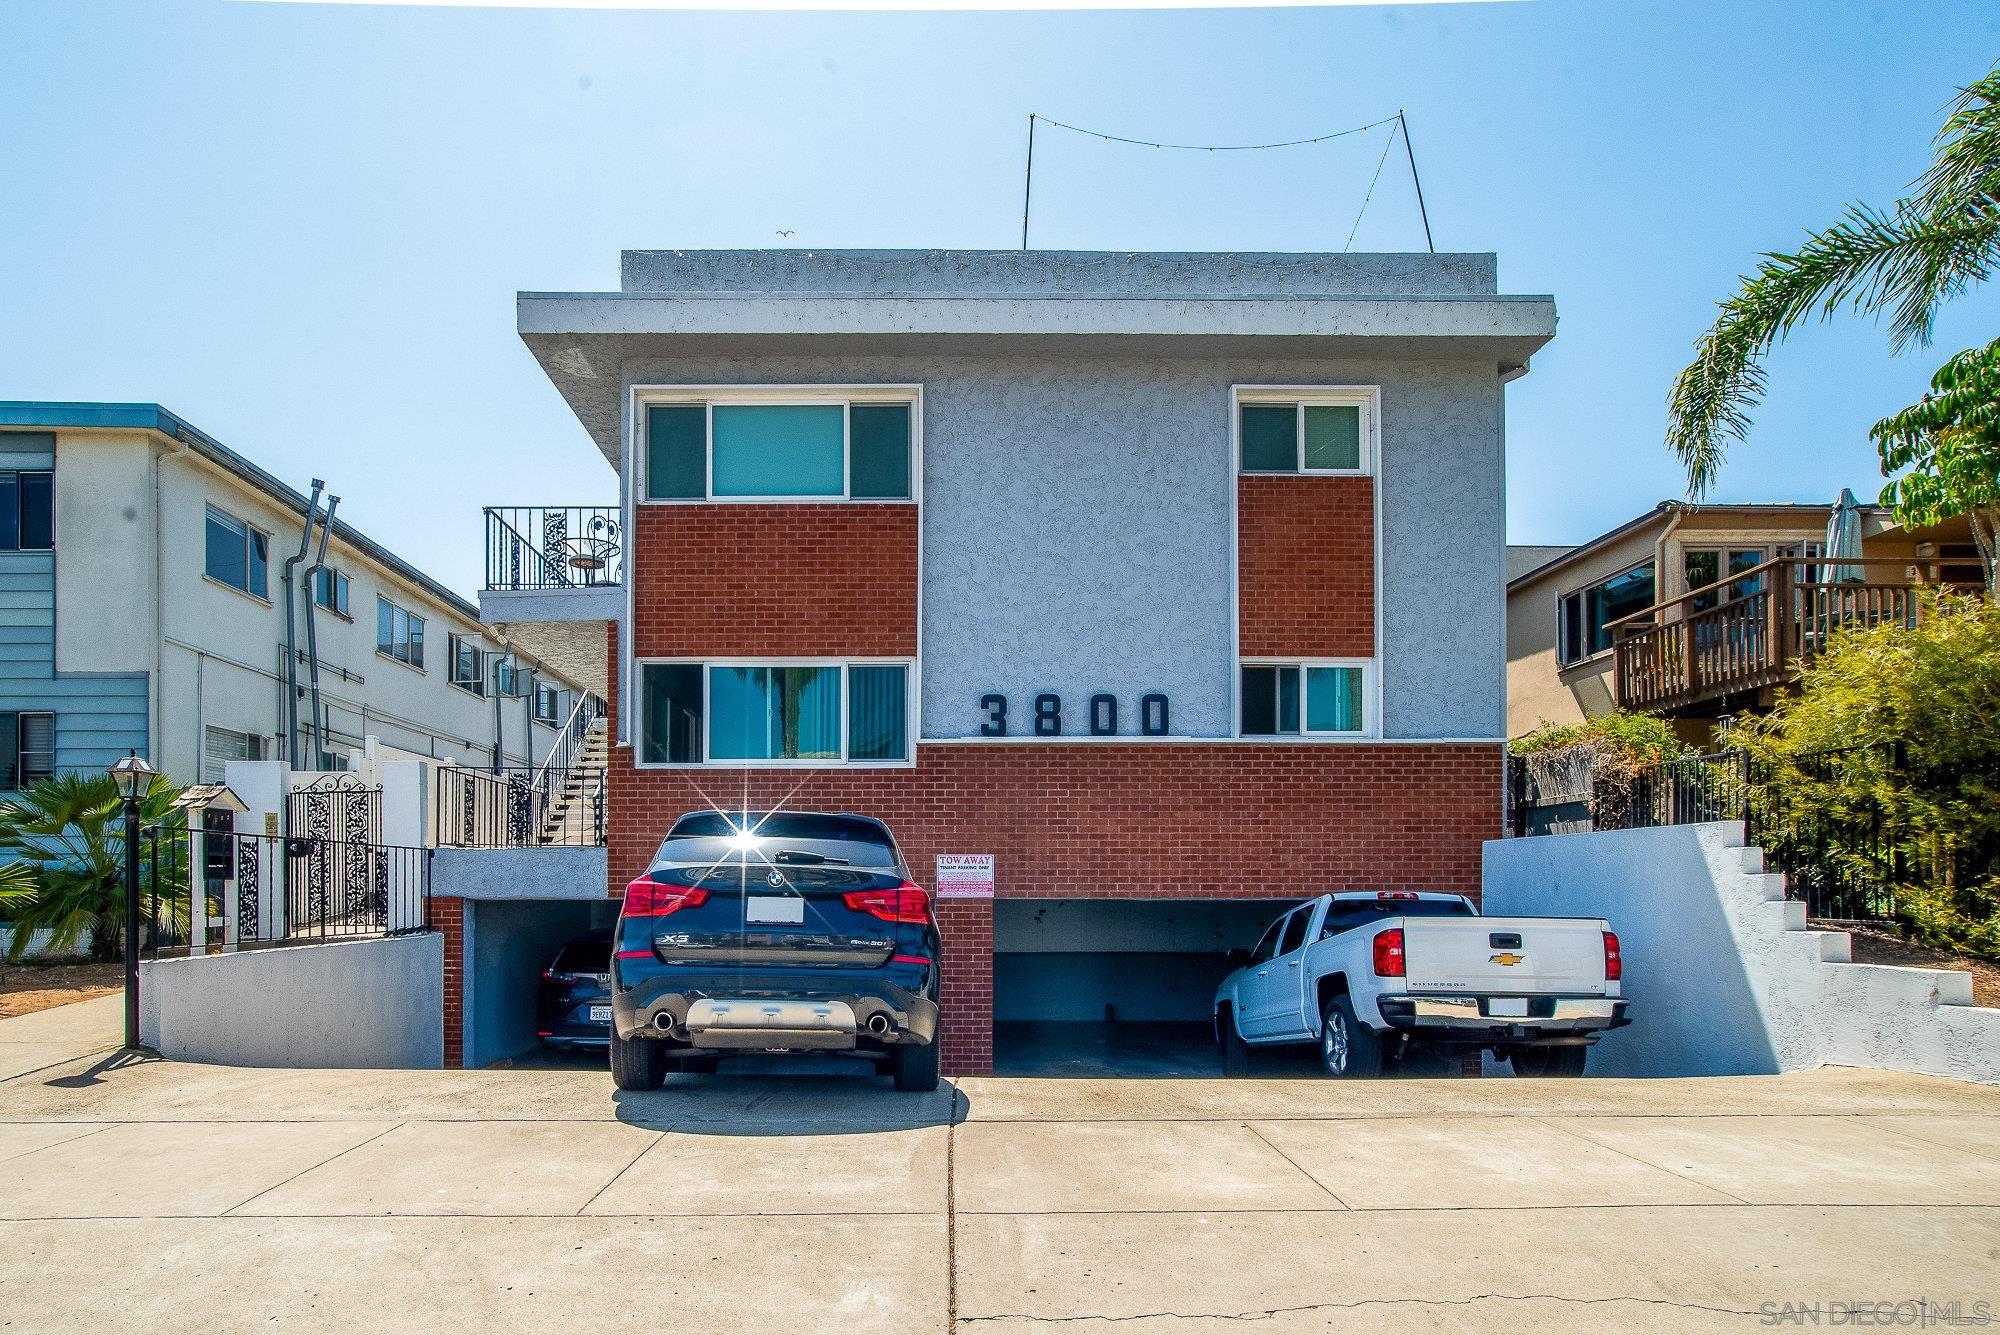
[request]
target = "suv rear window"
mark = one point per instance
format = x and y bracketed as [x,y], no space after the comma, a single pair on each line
[708,836]
[584,957]
[1344,915]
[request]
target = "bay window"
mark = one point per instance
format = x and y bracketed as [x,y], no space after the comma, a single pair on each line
[773,713]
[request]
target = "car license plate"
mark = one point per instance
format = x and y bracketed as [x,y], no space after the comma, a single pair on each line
[770,908]
[600,1013]
[1507,1006]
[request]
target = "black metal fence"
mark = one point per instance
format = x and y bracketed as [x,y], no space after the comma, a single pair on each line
[1818,821]
[554,546]
[519,807]
[261,890]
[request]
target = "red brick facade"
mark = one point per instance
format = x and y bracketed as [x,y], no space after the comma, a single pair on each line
[1305,566]
[770,580]
[448,917]
[1075,820]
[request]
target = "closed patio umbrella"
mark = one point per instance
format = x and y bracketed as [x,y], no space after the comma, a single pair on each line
[1843,542]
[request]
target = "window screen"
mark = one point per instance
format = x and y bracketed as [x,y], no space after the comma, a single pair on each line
[876,703]
[1270,437]
[677,451]
[879,444]
[1333,436]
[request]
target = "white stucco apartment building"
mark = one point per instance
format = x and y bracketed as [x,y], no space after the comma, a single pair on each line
[143,606]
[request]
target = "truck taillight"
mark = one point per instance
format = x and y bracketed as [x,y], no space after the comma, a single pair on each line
[905,903]
[1389,962]
[1614,963]
[647,898]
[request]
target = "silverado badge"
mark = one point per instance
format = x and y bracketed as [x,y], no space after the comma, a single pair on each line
[1506,960]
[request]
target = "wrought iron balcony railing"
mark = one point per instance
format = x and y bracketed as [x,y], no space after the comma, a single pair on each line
[554,547]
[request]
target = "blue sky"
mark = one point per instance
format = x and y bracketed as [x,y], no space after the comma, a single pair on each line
[302,227]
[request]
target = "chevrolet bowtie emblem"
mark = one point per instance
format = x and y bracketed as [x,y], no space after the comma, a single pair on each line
[1508,960]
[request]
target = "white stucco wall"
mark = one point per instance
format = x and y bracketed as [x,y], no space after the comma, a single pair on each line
[1723,975]
[215,653]
[376,1003]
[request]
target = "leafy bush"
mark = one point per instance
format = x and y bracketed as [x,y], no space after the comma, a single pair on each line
[1619,742]
[1914,715]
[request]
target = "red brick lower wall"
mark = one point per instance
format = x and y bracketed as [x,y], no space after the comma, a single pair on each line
[448,917]
[1118,821]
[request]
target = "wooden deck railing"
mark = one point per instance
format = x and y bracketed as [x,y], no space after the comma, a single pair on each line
[1677,653]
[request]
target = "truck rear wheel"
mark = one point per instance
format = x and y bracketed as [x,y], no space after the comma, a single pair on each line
[1235,1052]
[637,1063]
[1550,1061]
[1347,1047]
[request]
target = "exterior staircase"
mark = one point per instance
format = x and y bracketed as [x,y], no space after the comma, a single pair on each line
[572,811]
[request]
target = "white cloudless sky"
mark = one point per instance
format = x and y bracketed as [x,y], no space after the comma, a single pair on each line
[302,226]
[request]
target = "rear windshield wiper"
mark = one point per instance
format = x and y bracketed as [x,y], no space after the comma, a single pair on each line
[810,859]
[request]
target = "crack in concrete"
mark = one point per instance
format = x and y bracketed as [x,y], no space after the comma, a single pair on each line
[1268,1313]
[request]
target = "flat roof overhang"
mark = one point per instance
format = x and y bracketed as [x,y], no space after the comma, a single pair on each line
[583,340]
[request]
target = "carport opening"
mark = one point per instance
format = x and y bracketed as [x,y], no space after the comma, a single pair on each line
[508,942]
[1096,987]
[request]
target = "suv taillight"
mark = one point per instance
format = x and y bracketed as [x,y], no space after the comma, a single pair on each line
[1614,963]
[905,903]
[647,898]
[1389,961]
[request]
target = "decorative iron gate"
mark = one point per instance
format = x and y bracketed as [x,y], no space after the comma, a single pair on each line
[335,864]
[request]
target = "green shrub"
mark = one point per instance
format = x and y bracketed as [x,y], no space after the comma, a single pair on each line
[1914,715]
[1621,740]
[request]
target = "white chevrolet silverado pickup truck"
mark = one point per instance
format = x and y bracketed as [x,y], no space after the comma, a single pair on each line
[1368,976]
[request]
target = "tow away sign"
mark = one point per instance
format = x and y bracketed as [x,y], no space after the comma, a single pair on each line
[965,876]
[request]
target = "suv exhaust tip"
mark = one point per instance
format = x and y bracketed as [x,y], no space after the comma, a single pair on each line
[880,1025]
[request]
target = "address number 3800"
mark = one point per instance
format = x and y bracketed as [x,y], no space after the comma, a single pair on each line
[1102,711]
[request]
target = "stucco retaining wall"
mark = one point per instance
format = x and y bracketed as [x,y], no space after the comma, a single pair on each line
[375,1003]
[1723,974]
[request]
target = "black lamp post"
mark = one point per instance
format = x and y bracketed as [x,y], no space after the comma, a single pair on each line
[133,777]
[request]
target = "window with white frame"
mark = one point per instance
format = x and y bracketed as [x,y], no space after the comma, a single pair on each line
[548,703]
[330,589]
[510,679]
[468,665]
[399,634]
[236,553]
[1328,432]
[774,713]
[820,447]
[1306,699]
[219,746]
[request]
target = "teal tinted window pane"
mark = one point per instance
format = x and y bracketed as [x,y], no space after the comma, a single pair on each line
[1333,436]
[677,451]
[1270,438]
[742,714]
[778,450]
[670,713]
[1333,699]
[790,713]
[879,442]
[876,700]
[1288,699]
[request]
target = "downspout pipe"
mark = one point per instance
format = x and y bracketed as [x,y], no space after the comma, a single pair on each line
[312,638]
[291,627]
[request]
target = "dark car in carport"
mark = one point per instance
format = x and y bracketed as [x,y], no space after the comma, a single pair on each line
[773,932]
[573,1003]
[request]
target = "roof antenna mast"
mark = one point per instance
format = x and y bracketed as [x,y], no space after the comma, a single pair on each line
[1415,180]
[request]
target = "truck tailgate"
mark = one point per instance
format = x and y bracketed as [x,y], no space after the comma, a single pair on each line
[1505,955]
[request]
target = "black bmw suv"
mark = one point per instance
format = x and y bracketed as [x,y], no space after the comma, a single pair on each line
[786,931]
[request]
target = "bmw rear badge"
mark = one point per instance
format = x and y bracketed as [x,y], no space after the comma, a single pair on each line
[775,879]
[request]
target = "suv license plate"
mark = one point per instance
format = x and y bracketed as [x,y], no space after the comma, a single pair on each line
[772,908]
[600,1013]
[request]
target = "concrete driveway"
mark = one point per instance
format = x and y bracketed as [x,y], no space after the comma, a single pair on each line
[165,1197]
